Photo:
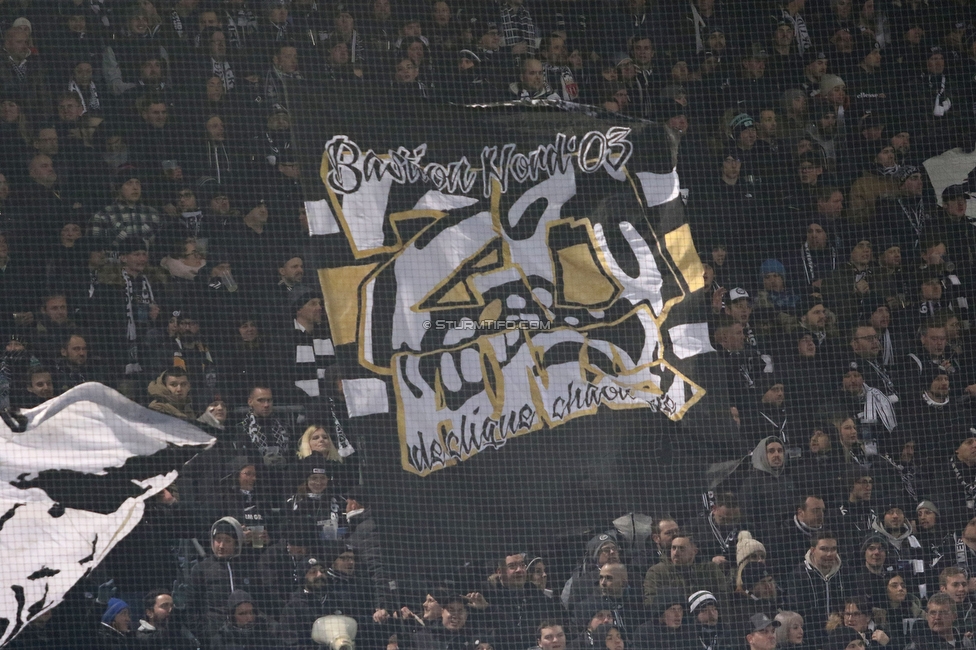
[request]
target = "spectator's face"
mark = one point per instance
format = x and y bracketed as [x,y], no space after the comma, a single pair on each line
[161,609]
[532,76]
[135,262]
[902,142]
[848,432]
[881,317]
[935,64]
[315,577]
[934,341]
[783,36]
[223,546]
[707,615]
[208,19]
[248,331]
[220,204]
[875,555]
[247,477]
[491,40]
[806,348]
[608,553]
[413,28]
[817,69]
[667,530]
[612,581]
[957,588]
[764,639]
[731,167]
[886,157]
[683,551]
[442,14]
[319,442]
[344,22]
[311,311]
[186,201]
[862,489]
[215,129]
[47,142]
[406,71]
[261,402]
[17,44]
[69,110]
[775,396]
[552,638]
[816,318]
[454,616]
[513,573]
[824,554]
[278,15]
[42,170]
[816,237]
[155,115]
[861,253]
[809,173]
[767,126]
[643,53]
[82,75]
[812,512]
[956,207]
[854,618]
[339,54]
[317,483]
[287,60]
[178,387]
[897,592]
[9,111]
[131,190]
[754,67]
[672,616]
[345,563]
[557,53]
[538,575]
[56,310]
[151,72]
[748,137]
[716,41]
[244,615]
[613,640]
[215,89]
[740,310]
[894,519]
[940,618]
[819,442]
[939,388]
[76,351]
[775,455]
[41,385]
[218,46]
[432,609]
[773,282]
[931,289]
[925,518]
[866,344]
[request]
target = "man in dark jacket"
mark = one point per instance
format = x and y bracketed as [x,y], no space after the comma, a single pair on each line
[244,626]
[515,606]
[818,586]
[940,632]
[214,580]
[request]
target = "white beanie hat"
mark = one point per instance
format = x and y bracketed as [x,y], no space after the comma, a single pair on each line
[747,546]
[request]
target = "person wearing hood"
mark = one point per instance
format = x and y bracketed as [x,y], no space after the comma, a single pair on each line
[602,549]
[170,393]
[904,547]
[768,492]
[776,296]
[244,626]
[666,627]
[158,630]
[114,629]
[818,585]
[221,573]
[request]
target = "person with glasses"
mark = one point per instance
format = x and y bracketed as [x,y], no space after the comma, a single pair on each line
[856,616]
[515,605]
[940,630]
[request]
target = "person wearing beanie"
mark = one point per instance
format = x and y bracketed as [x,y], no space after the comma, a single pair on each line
[244,625]
[869,90]
[878,179]
[871,568]
[708,624]
[769,493]
[316,503]
[755,591]
[776,297]
[310,348]
[601,549]
[114,630]
[813,254]
[213,580]
[748,549]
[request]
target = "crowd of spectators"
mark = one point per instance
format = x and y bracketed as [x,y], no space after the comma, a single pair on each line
[154,239]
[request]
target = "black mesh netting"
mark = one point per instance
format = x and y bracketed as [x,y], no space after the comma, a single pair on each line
[487,324]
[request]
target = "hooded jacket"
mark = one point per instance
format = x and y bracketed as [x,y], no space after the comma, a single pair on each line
[262,635]
[213,580]
[769,495]
[582,584]
[164,402]
[815,594]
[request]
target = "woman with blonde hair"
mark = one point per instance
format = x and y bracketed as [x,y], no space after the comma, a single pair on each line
[789,634]
[318,441]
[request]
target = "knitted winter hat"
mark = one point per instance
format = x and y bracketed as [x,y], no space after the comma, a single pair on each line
[746,546]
